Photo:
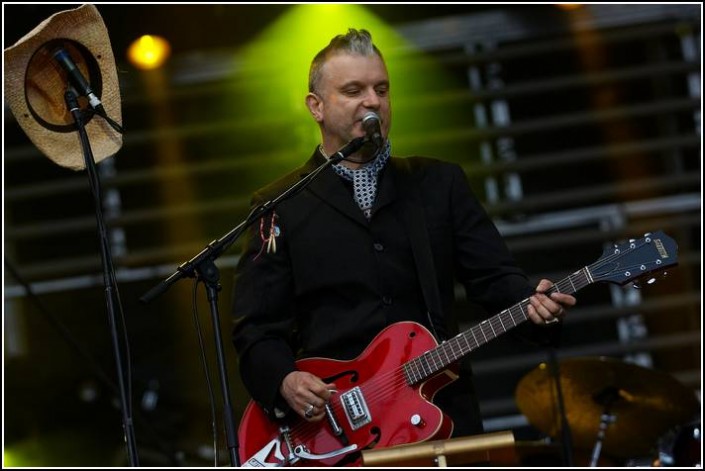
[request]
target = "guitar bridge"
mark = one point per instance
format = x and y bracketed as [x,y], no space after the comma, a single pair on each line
[355,408]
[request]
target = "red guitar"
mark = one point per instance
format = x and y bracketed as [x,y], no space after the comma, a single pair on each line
[384,395]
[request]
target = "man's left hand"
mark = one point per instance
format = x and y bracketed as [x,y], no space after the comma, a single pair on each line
[546,309]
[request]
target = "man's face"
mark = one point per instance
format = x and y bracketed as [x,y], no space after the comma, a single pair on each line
[350,86]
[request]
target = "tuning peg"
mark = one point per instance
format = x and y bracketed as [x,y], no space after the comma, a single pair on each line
[638,283]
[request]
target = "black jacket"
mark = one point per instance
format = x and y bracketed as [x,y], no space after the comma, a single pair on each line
[337,279]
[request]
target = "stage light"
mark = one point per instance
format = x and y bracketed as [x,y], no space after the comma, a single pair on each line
[148,52]
[569,6]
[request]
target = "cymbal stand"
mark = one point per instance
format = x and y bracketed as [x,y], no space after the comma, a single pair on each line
[566,434]
[606,397]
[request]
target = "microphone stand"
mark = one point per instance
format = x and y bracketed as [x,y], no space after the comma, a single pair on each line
[202,267]
[108,278]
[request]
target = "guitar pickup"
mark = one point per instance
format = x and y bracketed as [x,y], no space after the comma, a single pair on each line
[355,408]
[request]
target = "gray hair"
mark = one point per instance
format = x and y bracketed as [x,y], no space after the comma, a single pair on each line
[354,42]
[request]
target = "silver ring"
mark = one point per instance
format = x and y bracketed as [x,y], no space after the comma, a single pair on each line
[552,321]
[308,412]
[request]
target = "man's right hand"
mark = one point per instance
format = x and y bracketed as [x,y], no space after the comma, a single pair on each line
[301,390]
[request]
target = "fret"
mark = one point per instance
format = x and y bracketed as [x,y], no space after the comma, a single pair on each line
[445,350]
[432,362]
[461,350]
[426,360]
[417,370]
[436,361]
[512,318]
[460,353]
[588,275]
[423,364]
[440,351]
[477,344]
[494,334]
[500,328]
[409,372]
[448,353]
[482,331]
[466,342]
[571,283]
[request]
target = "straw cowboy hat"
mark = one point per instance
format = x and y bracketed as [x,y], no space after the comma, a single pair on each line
[35,85]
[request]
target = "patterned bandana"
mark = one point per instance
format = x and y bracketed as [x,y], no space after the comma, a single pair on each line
[364,179]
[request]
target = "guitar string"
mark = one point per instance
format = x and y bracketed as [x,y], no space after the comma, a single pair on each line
[497,322]
[381,386]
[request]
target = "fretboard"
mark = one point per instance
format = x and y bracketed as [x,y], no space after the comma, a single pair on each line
[450,351]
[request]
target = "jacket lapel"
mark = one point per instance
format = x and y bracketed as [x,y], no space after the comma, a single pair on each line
[332,191]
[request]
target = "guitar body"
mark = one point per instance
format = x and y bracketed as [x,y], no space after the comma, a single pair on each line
[391,401]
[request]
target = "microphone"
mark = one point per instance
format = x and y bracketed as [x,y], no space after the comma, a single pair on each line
[76,78]
[371,125]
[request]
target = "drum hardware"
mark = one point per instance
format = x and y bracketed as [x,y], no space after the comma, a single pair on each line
[617,408]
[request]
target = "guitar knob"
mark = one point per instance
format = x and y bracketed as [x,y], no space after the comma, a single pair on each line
[417,421]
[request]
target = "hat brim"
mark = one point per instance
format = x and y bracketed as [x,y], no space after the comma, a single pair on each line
[35,86]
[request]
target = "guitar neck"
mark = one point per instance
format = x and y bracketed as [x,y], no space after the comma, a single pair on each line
[439,358]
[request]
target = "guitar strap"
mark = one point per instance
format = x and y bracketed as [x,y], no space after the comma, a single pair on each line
[413,217]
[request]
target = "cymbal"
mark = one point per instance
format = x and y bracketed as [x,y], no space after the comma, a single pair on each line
[645,403]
